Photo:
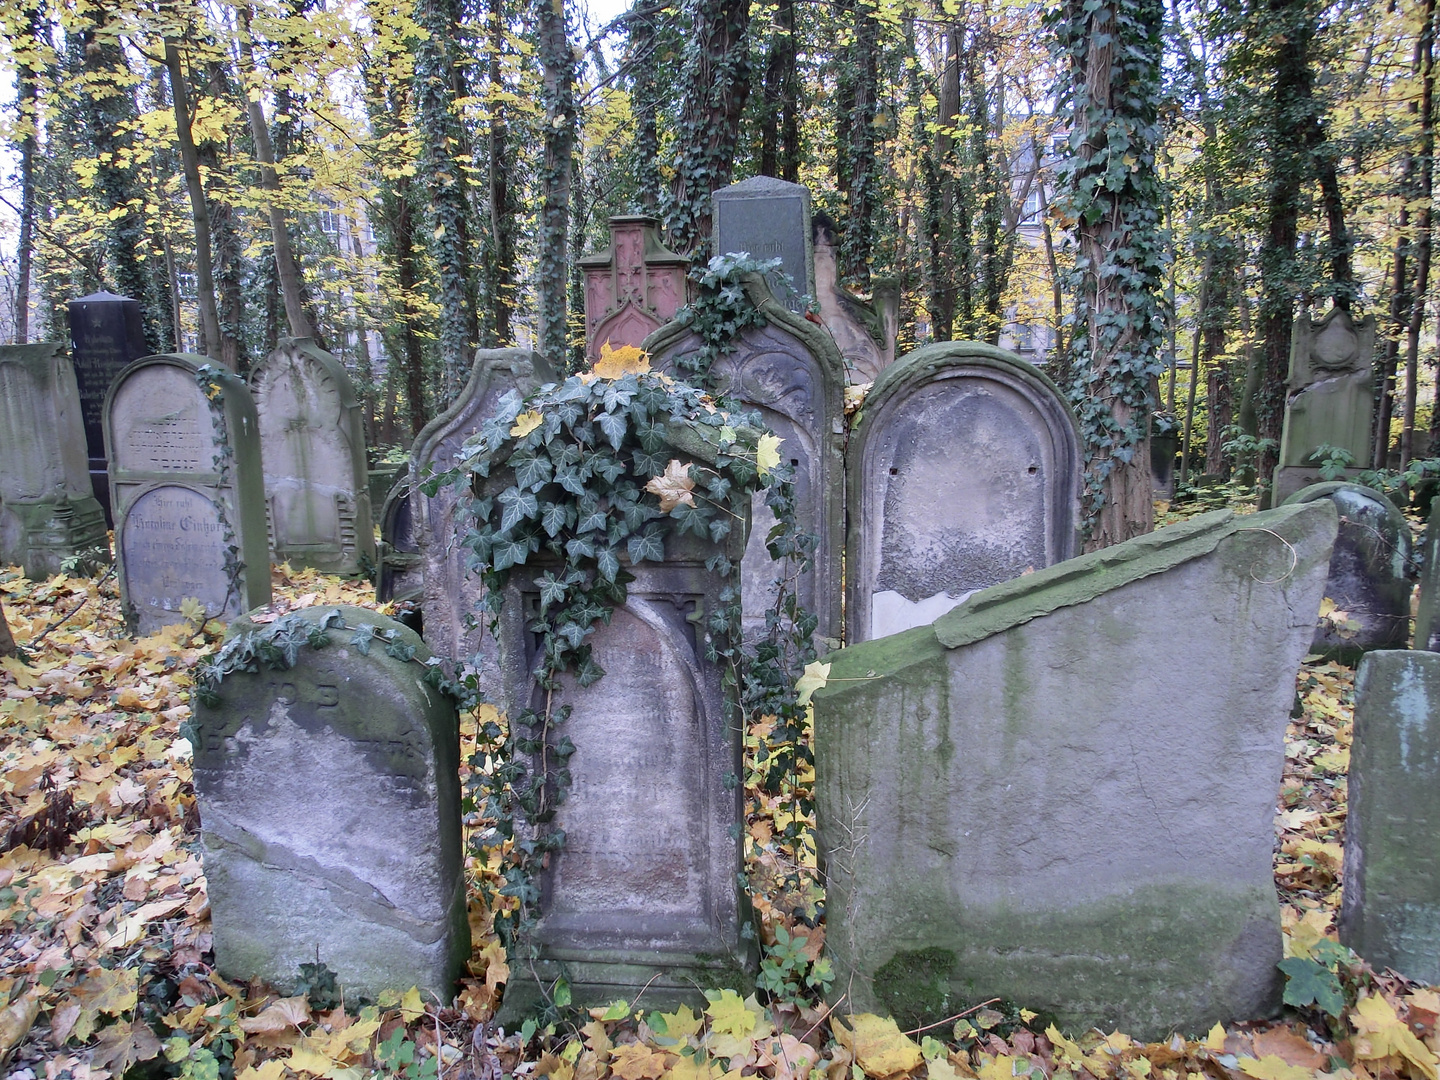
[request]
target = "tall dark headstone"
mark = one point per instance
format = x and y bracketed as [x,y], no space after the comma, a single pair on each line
[107,332]
[768,218]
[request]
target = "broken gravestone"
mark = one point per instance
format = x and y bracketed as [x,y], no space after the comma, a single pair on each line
[1370,572]
[47,511]
[1331,397]
[632,288]
[186,485]
[790,371]
[327,777]
[769,219]
[964,471]
[864,333]
[1390,914]
[1427,618]
[312,442]
[1015,802]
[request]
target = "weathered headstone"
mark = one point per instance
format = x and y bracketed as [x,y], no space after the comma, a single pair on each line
[1370,573]
[1330,401]
[790,371]
[1427,619]
[47,513]
[633,288]
[1390,913]
[107,332]
[1015,802]
[864,333]
[451,592]
[189,495]
[964,471]
[769,219]
[381,480]
[312,441]
[401,574]
[329,795]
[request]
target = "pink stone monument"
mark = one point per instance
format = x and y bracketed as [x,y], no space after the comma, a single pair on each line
[632,289]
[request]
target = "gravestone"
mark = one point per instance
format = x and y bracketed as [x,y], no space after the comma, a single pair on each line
[1016,802]
[381,480]
[643,893]
[47,513]
[864,333]
[790,371]
[1370,571]
[633,288]
[1427,619]
[189,495]
[107,333]
[964,471]
[1390,912]
[329,795]
[770,219]
[1331,390]
[451,592]
[312,441]
[401,574]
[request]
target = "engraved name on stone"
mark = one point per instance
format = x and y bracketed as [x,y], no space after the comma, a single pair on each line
[173,546]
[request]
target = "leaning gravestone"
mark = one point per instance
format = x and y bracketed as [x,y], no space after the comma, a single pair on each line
[312,441]
[769,219]
[451,592]
[330,800]
[47,513]
[1370,572]
[1390,913]
[1036,798]
[633,288]
[107,333]
[790,371]
[964,471]
[1330,397]
[1427,619]
[188,491]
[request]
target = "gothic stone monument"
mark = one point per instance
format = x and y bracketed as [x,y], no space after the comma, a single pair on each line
[633,288]
[312,442]
[1330,397]
[1015,802]
[770,219]
[1390,914]
[107,332]
[964,471]
[47,512]
[329,794]
[188,491]
[790,371]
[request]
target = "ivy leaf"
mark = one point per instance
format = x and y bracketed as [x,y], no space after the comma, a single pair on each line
[613,425]
[554,517]
[607,563]
[646,546]
[531,470]
[519,505]
[361,639]
[508,553]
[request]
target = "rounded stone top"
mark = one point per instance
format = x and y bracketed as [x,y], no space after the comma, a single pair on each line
[1337,346]
[1345,494]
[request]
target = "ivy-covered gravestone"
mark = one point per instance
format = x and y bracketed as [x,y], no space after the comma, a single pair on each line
[327,776]
[964,471]
[186,485]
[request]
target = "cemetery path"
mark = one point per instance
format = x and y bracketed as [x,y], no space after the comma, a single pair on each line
[104,926]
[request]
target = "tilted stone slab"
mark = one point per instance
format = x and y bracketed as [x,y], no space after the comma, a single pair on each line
[964,471]
[329,798]
[1018,802]
[1390,914]
[312,441]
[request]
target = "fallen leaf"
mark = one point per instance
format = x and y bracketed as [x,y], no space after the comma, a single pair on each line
[673,487]
[617,363]
[879,1046]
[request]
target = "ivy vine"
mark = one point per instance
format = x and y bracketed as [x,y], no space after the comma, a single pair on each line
[721,311]
[211,381]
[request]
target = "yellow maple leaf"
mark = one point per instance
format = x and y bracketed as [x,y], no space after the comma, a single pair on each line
[411,1007]
[693,1068]
[673,487]
[1001,1067]
[674,1028]
[730,1014]
[282,1015]
[1064,1047]
[1273,1067]
[1382,1035]
[617,363]
[767,453]
[813,678]
[525,423]
[879,1046]
[269,1070]
[636,1061]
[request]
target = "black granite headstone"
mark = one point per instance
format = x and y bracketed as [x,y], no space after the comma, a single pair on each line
[106,334]
[770,219]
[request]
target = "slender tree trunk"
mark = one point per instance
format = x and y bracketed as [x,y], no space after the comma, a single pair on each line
[1425,55]
[500,270]
[858,148]
[27,106]
[1399,305]
[557,61]
[645,103]
[229,245]
[940,176]
[779,104]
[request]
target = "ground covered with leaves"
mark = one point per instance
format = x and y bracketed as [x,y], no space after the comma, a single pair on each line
[105,942]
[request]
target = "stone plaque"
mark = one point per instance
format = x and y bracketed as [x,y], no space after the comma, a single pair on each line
[1015,802]
[1331,392]
[1371,571]
[107,332]
[45,495]
[632,289]
[1390,913]
[1427,619]
[312,441]
[330,800]
[790,371]
[964,471]
[188,491]
[770,219]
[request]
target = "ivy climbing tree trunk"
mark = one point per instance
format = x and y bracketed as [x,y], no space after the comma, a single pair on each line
[557,62]
[27,101]
[1112,193]
[1425,65]
[499,269]
[780,116]
[857,147]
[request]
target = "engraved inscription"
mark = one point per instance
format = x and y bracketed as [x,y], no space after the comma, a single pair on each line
[173,546]
[171,443]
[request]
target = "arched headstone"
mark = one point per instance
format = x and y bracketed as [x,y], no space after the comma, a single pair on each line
[964,471]
[183,444]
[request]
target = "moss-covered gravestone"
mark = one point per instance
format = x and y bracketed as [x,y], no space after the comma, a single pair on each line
[187,491]
[329,794]
[47,511]
[1391,909]
[1062,792]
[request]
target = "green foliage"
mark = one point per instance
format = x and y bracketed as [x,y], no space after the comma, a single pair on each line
[396,1057]
[786,973]
[1401,481]
[1332,460]
[721,311]
[317,983]
[1314,980]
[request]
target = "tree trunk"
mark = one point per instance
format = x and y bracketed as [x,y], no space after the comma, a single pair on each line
[229,245]
[778,128]
[500,264]
[27,106]
[557,61]
[1426,65]
[858,148]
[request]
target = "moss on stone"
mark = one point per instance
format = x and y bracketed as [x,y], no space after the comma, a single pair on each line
[915,985]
